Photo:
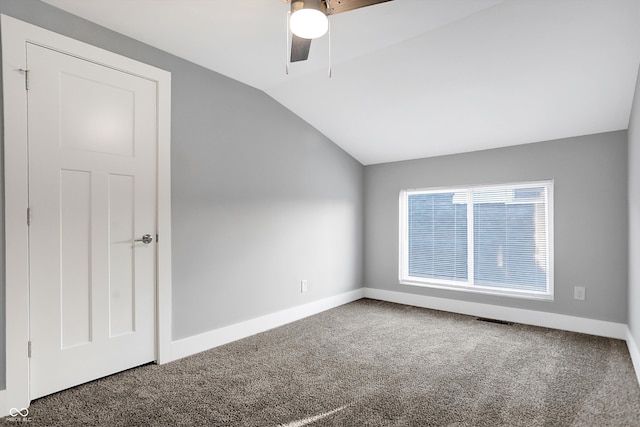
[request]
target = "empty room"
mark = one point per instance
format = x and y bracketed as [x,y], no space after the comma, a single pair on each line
[320,212]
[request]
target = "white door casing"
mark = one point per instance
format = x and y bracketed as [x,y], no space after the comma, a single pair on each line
[92,191]
[15,37]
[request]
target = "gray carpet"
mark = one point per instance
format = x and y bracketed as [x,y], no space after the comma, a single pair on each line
[371,363]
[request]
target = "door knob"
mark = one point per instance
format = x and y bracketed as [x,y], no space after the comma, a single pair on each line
[146,239]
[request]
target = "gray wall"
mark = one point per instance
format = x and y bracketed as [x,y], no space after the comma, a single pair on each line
[634,217]
[590,204]
[260,199]
[3,316]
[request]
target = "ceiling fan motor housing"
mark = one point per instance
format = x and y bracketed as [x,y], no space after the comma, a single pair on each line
[308,4]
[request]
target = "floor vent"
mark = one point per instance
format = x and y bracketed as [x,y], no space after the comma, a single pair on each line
[500,322]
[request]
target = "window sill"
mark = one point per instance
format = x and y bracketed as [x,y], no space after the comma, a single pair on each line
[478,290]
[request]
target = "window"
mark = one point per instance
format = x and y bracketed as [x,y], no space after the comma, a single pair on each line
[490,239]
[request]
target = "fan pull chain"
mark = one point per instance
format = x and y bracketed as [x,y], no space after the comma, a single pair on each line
[286,59]
[329,31]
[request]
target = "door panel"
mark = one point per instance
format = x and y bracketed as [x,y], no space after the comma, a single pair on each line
[122,289]
[75,278]
[92,192]
[96,116]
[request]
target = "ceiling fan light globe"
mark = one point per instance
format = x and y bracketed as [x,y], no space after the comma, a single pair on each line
[309,23]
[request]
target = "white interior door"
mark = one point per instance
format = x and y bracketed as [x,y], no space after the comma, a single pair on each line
[92,193]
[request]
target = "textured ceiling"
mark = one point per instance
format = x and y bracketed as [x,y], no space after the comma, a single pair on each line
[414,78]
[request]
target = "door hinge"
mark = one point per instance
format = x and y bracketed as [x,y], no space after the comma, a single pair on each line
[157,238]
[28,216]
[26,78]
[29,348]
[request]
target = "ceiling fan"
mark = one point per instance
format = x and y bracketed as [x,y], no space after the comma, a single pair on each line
[308,21]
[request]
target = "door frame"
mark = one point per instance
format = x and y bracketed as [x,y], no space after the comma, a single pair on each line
[15,35]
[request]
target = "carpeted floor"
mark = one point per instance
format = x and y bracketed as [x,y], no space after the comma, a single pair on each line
[371,363]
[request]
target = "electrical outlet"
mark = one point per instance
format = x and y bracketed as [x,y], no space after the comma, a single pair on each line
[303,286]
[579,293]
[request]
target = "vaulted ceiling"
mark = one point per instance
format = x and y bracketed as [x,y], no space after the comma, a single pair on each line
[413,78]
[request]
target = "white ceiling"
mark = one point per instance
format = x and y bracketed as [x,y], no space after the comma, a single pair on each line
[414,78]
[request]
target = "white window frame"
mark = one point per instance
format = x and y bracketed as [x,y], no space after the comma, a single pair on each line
[468,285]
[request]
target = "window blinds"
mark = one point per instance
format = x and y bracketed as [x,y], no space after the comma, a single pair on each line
[510,238]
[438,235]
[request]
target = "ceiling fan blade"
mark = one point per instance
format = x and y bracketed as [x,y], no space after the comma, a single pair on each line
[339,6]
[299,48]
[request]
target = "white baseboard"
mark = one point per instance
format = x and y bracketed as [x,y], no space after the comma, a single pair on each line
[516,315]
[205,341]
[4,410]
[634,351]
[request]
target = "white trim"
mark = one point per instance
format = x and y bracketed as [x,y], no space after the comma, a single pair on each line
[451,286]
[164,274]
[517,315]
[15,35]
[4,408]
[16,201]
[634,352]
[208,340]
